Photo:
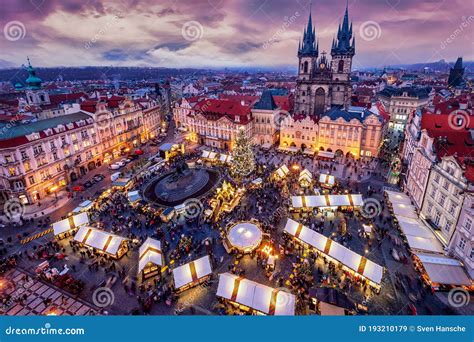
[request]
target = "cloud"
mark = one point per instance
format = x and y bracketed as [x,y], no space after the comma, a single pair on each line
[234,32]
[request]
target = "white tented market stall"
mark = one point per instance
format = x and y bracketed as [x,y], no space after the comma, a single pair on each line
[326,180]
[261,298]
[327,201]
[192,273]
[102,242]
[70,224]
[150,258]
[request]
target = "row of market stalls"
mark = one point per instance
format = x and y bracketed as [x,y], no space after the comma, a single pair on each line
[253,297]
[103,242]
[216,157]
[353,262]
[436,269]
[327,202]
[64,228]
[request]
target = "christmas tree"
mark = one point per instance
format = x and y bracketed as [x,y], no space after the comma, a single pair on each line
[243,162]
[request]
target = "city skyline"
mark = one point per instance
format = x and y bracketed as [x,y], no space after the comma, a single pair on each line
[217,34]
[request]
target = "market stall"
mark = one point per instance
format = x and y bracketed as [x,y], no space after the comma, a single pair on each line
[225,158]
[122,183]
[150,258]
[415,232]
[83,207]
[440,271]
[134,196]
[250,296]
[167,150]
[67,226]
[327,202]
[305,178]
[191,274]
[256,183]
[167,214]
[102,242]
[244,236]
[350,260]
[281,172]
[327,181]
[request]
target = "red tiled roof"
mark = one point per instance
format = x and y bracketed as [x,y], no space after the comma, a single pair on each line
[249,100]
[57,99]
[215,109]
[284,102]
[450,140]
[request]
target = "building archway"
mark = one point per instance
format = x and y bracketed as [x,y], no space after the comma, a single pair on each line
[73,176]
[91,166]
[339,153]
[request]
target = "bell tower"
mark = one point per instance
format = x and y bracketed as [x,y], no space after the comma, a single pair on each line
[342,51]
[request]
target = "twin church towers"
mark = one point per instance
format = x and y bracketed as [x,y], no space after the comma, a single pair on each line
[322,84]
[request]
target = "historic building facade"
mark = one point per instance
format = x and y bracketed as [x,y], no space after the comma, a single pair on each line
[214,123]
[357,133]
[39,158]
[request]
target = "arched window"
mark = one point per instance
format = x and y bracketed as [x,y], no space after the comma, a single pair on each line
[303,93]
[305,67]
[340,66]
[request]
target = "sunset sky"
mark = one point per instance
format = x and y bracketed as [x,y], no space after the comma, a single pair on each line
[228,33]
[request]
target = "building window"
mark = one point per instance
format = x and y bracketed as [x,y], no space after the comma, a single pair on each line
[340,66]
[452,208]
[436,178]
[447,226]
[462,244]
[446,184]
[442,199]
[433,193]
[468,223]
[437,217]
[31,179]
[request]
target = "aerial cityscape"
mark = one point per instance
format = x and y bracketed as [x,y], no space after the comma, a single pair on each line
[236,158]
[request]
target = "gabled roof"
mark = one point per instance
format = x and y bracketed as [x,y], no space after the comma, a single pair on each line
[266,102]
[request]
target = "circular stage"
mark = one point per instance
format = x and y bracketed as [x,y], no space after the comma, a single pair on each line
[175,187]
[245,236]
